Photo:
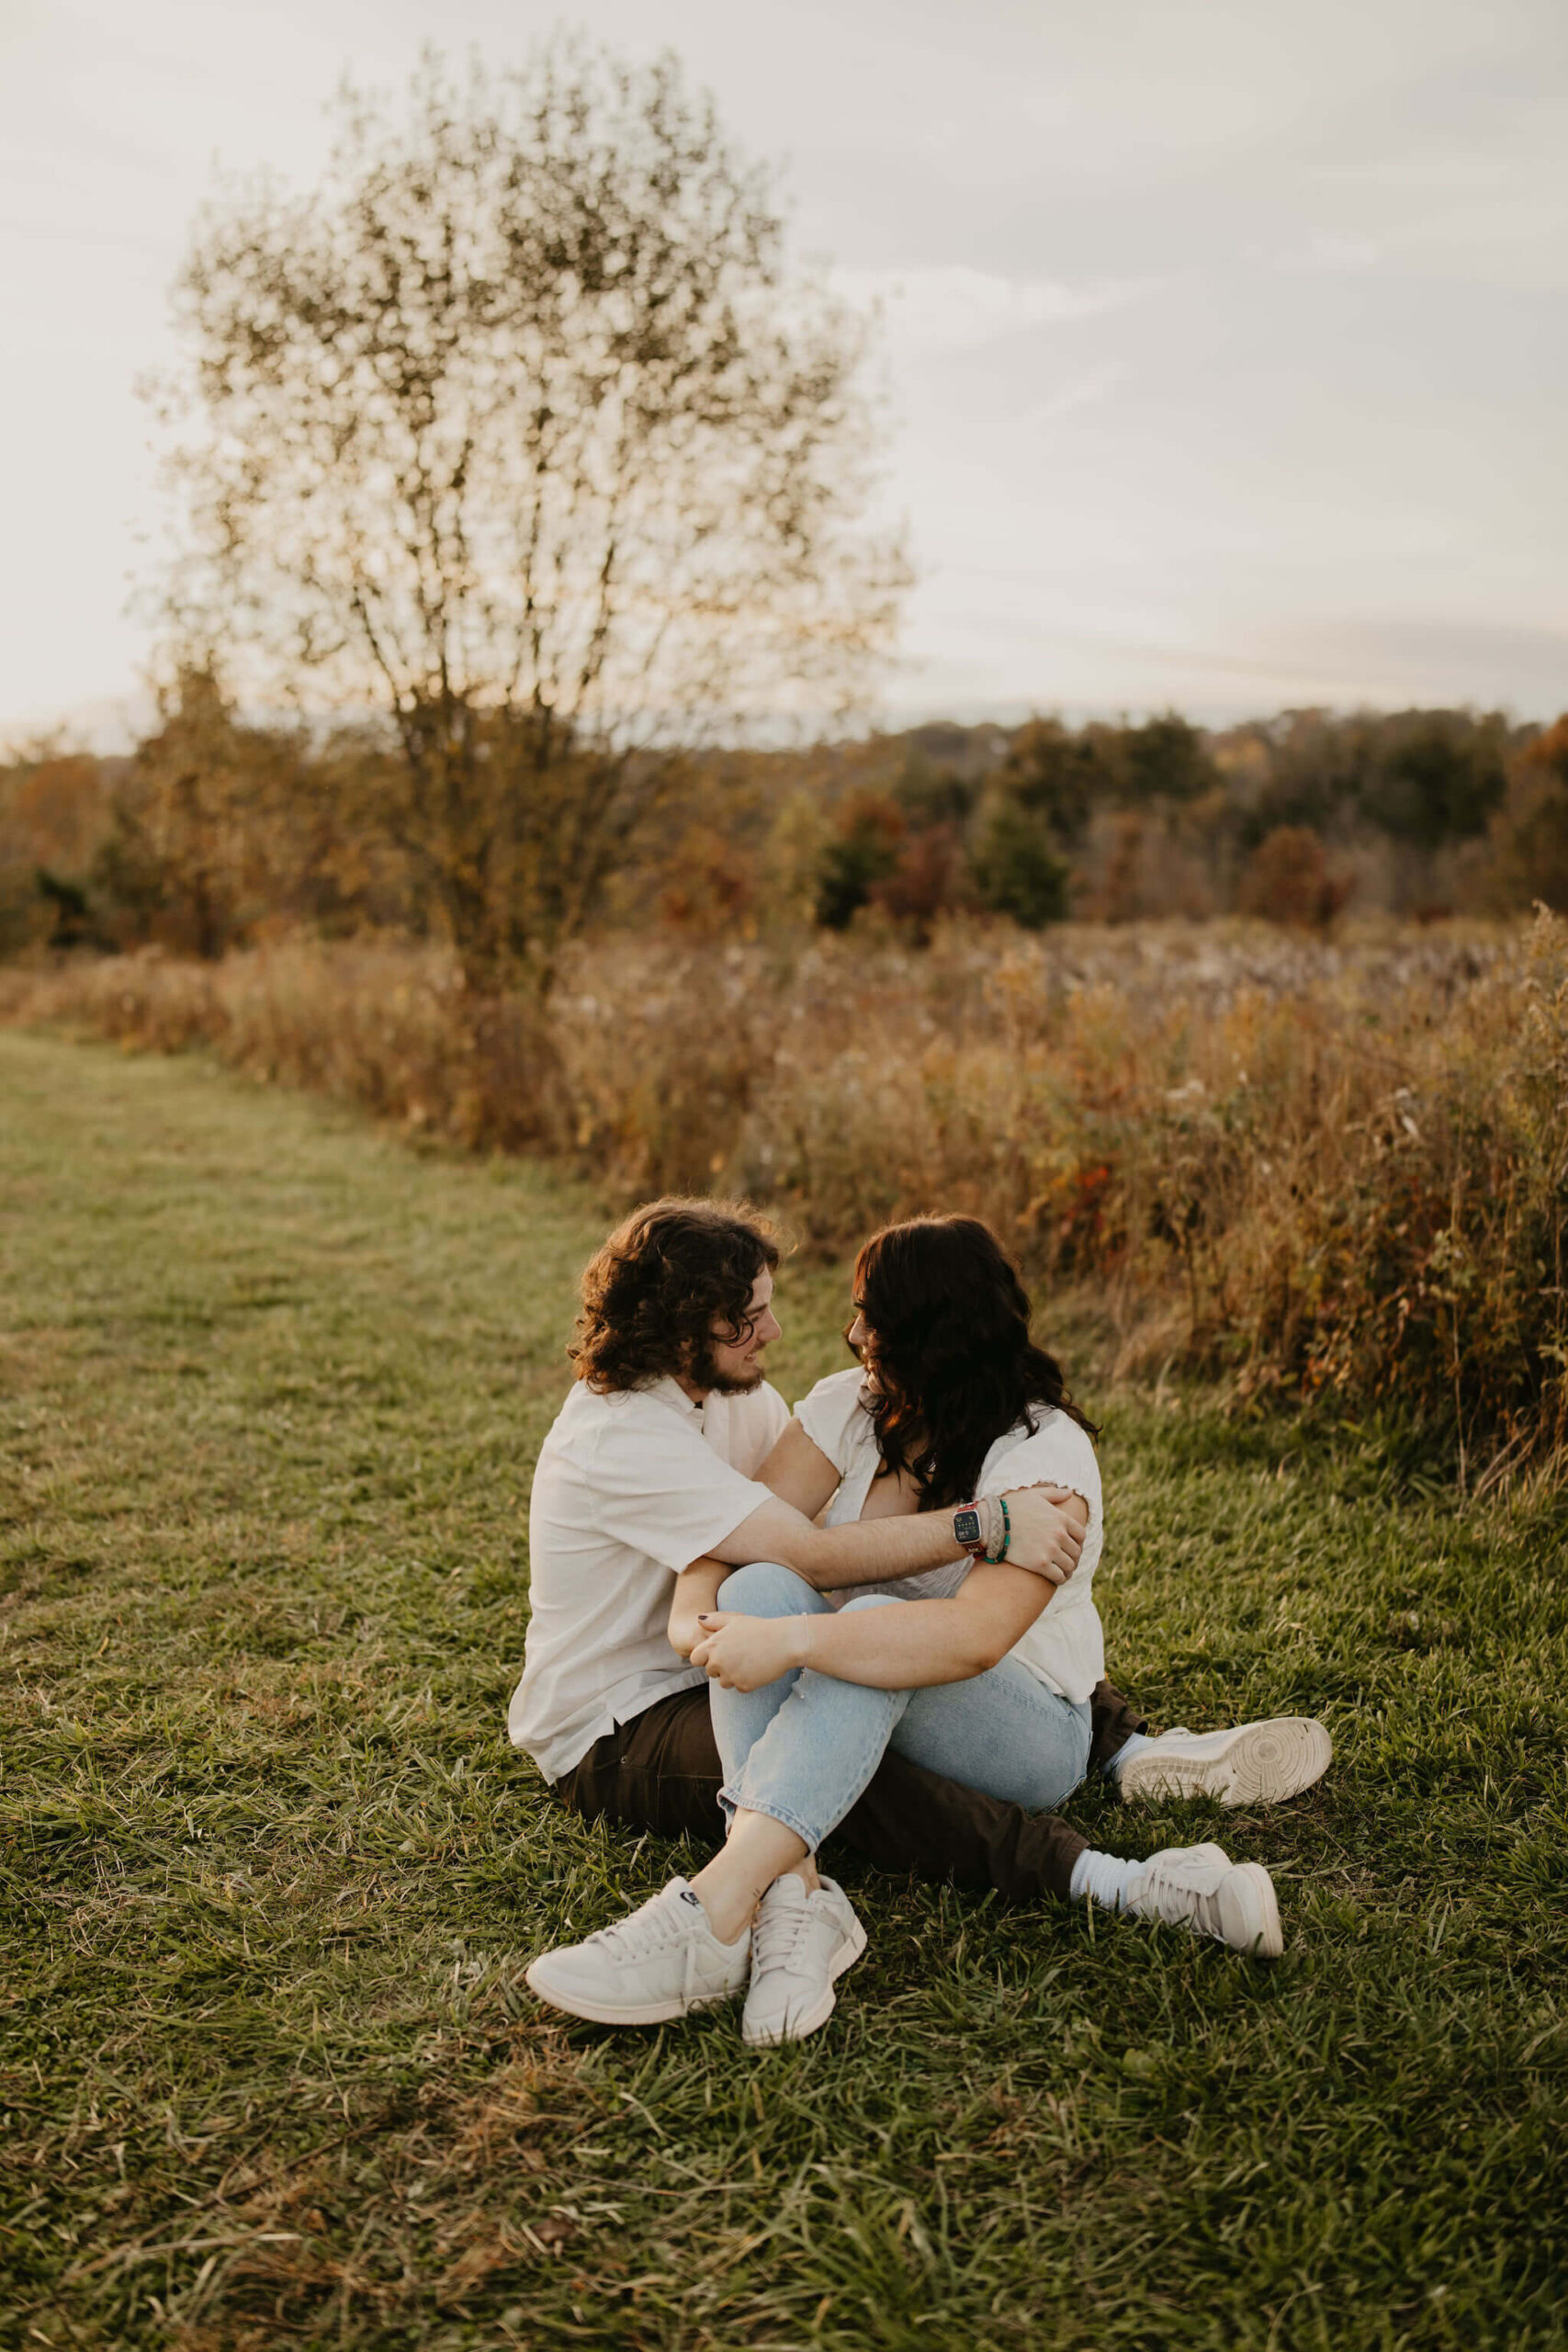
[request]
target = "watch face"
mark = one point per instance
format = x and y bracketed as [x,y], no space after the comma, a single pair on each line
[966,1527]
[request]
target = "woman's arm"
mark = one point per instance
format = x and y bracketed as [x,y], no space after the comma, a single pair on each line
[906,1647]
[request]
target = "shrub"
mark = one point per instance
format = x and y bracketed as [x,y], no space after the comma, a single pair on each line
[1287,880]
[1015,869]
[862,852]
[1530,833]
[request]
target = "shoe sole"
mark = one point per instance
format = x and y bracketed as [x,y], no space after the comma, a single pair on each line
[1262,1764]
[849,1951]
[1252,1916]
[617,2012]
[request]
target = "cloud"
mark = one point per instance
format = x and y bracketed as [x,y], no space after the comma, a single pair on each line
[954,308]
[1081,391]
[1322,251]
[973,646]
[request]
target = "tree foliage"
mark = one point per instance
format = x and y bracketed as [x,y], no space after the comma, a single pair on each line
[208,831]
[1426,778]
[516,430]
[1015,866]
[1287,880]
[861,852]
[55,809]
[1530,833]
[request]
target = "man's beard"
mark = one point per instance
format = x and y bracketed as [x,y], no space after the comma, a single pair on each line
[705,1373]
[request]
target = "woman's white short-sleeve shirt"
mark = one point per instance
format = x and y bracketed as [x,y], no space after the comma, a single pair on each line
[1065,1644]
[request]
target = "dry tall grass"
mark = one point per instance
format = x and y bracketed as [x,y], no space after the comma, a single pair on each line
[1327,1170]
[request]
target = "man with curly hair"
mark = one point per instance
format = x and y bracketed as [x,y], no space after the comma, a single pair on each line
[651,1467]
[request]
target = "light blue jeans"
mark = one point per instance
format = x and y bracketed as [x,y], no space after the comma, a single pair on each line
[803,1748]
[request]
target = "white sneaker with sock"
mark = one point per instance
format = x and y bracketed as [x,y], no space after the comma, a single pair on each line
[801,1944]
[1199,1887]
[660,1961]
[1259,1763]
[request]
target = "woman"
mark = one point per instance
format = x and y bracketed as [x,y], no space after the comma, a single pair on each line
[989,1671]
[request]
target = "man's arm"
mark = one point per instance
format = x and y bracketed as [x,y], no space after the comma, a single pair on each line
[799,1472]
[910,1647]
[696,1590]
[1044,1540]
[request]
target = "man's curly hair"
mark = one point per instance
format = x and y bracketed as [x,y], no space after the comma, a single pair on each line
[676,1274]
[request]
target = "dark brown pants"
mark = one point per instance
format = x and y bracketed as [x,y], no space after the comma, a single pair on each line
[661,1772]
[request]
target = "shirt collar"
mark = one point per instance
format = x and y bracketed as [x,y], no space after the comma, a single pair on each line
[668,1391]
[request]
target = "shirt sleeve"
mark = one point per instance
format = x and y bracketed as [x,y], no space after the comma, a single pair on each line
[831,1412]
[662,1490]
[1060,1453]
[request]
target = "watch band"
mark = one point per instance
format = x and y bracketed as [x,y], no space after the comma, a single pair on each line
[968,1530]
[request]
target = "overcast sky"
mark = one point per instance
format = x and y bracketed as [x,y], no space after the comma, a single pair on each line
[1228,341]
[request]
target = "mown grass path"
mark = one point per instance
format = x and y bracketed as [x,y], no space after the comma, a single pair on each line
[272,1390]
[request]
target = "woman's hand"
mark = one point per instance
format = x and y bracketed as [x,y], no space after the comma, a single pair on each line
[1048,1526]
[744,1652]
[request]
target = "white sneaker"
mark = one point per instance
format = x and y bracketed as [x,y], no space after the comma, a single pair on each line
[1252,1764]
[800,1943]
[658,1963]
[1199,1887]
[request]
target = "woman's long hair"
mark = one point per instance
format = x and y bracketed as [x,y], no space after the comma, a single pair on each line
[948,1344]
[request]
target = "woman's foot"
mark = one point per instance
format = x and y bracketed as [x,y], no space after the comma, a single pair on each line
[1259,1763]
[801,1943]
[1199,1887]
[657,1963]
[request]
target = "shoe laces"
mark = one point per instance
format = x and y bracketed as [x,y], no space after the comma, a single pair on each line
[649,1928]
[777,1934]
[1185,1881]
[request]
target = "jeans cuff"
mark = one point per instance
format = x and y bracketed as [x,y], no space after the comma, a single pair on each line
[733,1801]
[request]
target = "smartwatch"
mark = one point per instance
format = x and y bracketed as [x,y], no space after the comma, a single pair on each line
[966,1528]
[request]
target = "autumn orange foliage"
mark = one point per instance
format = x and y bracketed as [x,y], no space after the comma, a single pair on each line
[1325,1171]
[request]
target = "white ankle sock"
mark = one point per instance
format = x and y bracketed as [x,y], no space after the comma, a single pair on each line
[1105,1878]
[1135,1741]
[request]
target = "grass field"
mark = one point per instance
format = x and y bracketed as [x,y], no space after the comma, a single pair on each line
[273,1386]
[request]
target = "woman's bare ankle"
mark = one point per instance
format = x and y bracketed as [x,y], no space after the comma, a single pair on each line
[729,1901]
[757,1850]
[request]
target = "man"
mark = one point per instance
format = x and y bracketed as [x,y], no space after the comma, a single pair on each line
[651,1467]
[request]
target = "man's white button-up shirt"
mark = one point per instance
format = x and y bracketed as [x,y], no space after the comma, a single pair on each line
[631,1488]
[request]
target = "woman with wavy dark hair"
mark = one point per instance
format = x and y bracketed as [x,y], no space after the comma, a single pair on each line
[977,1669]
[942,1325]
[949,1384]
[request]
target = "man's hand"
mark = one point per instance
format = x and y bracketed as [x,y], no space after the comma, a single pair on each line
[1048,1525]
[743,1653]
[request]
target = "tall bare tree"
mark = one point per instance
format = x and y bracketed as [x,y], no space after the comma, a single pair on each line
[519,428]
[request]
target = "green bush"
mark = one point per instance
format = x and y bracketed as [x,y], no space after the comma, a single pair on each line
[1015,868]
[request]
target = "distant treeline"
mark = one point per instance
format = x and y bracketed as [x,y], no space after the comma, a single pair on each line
[216,832]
